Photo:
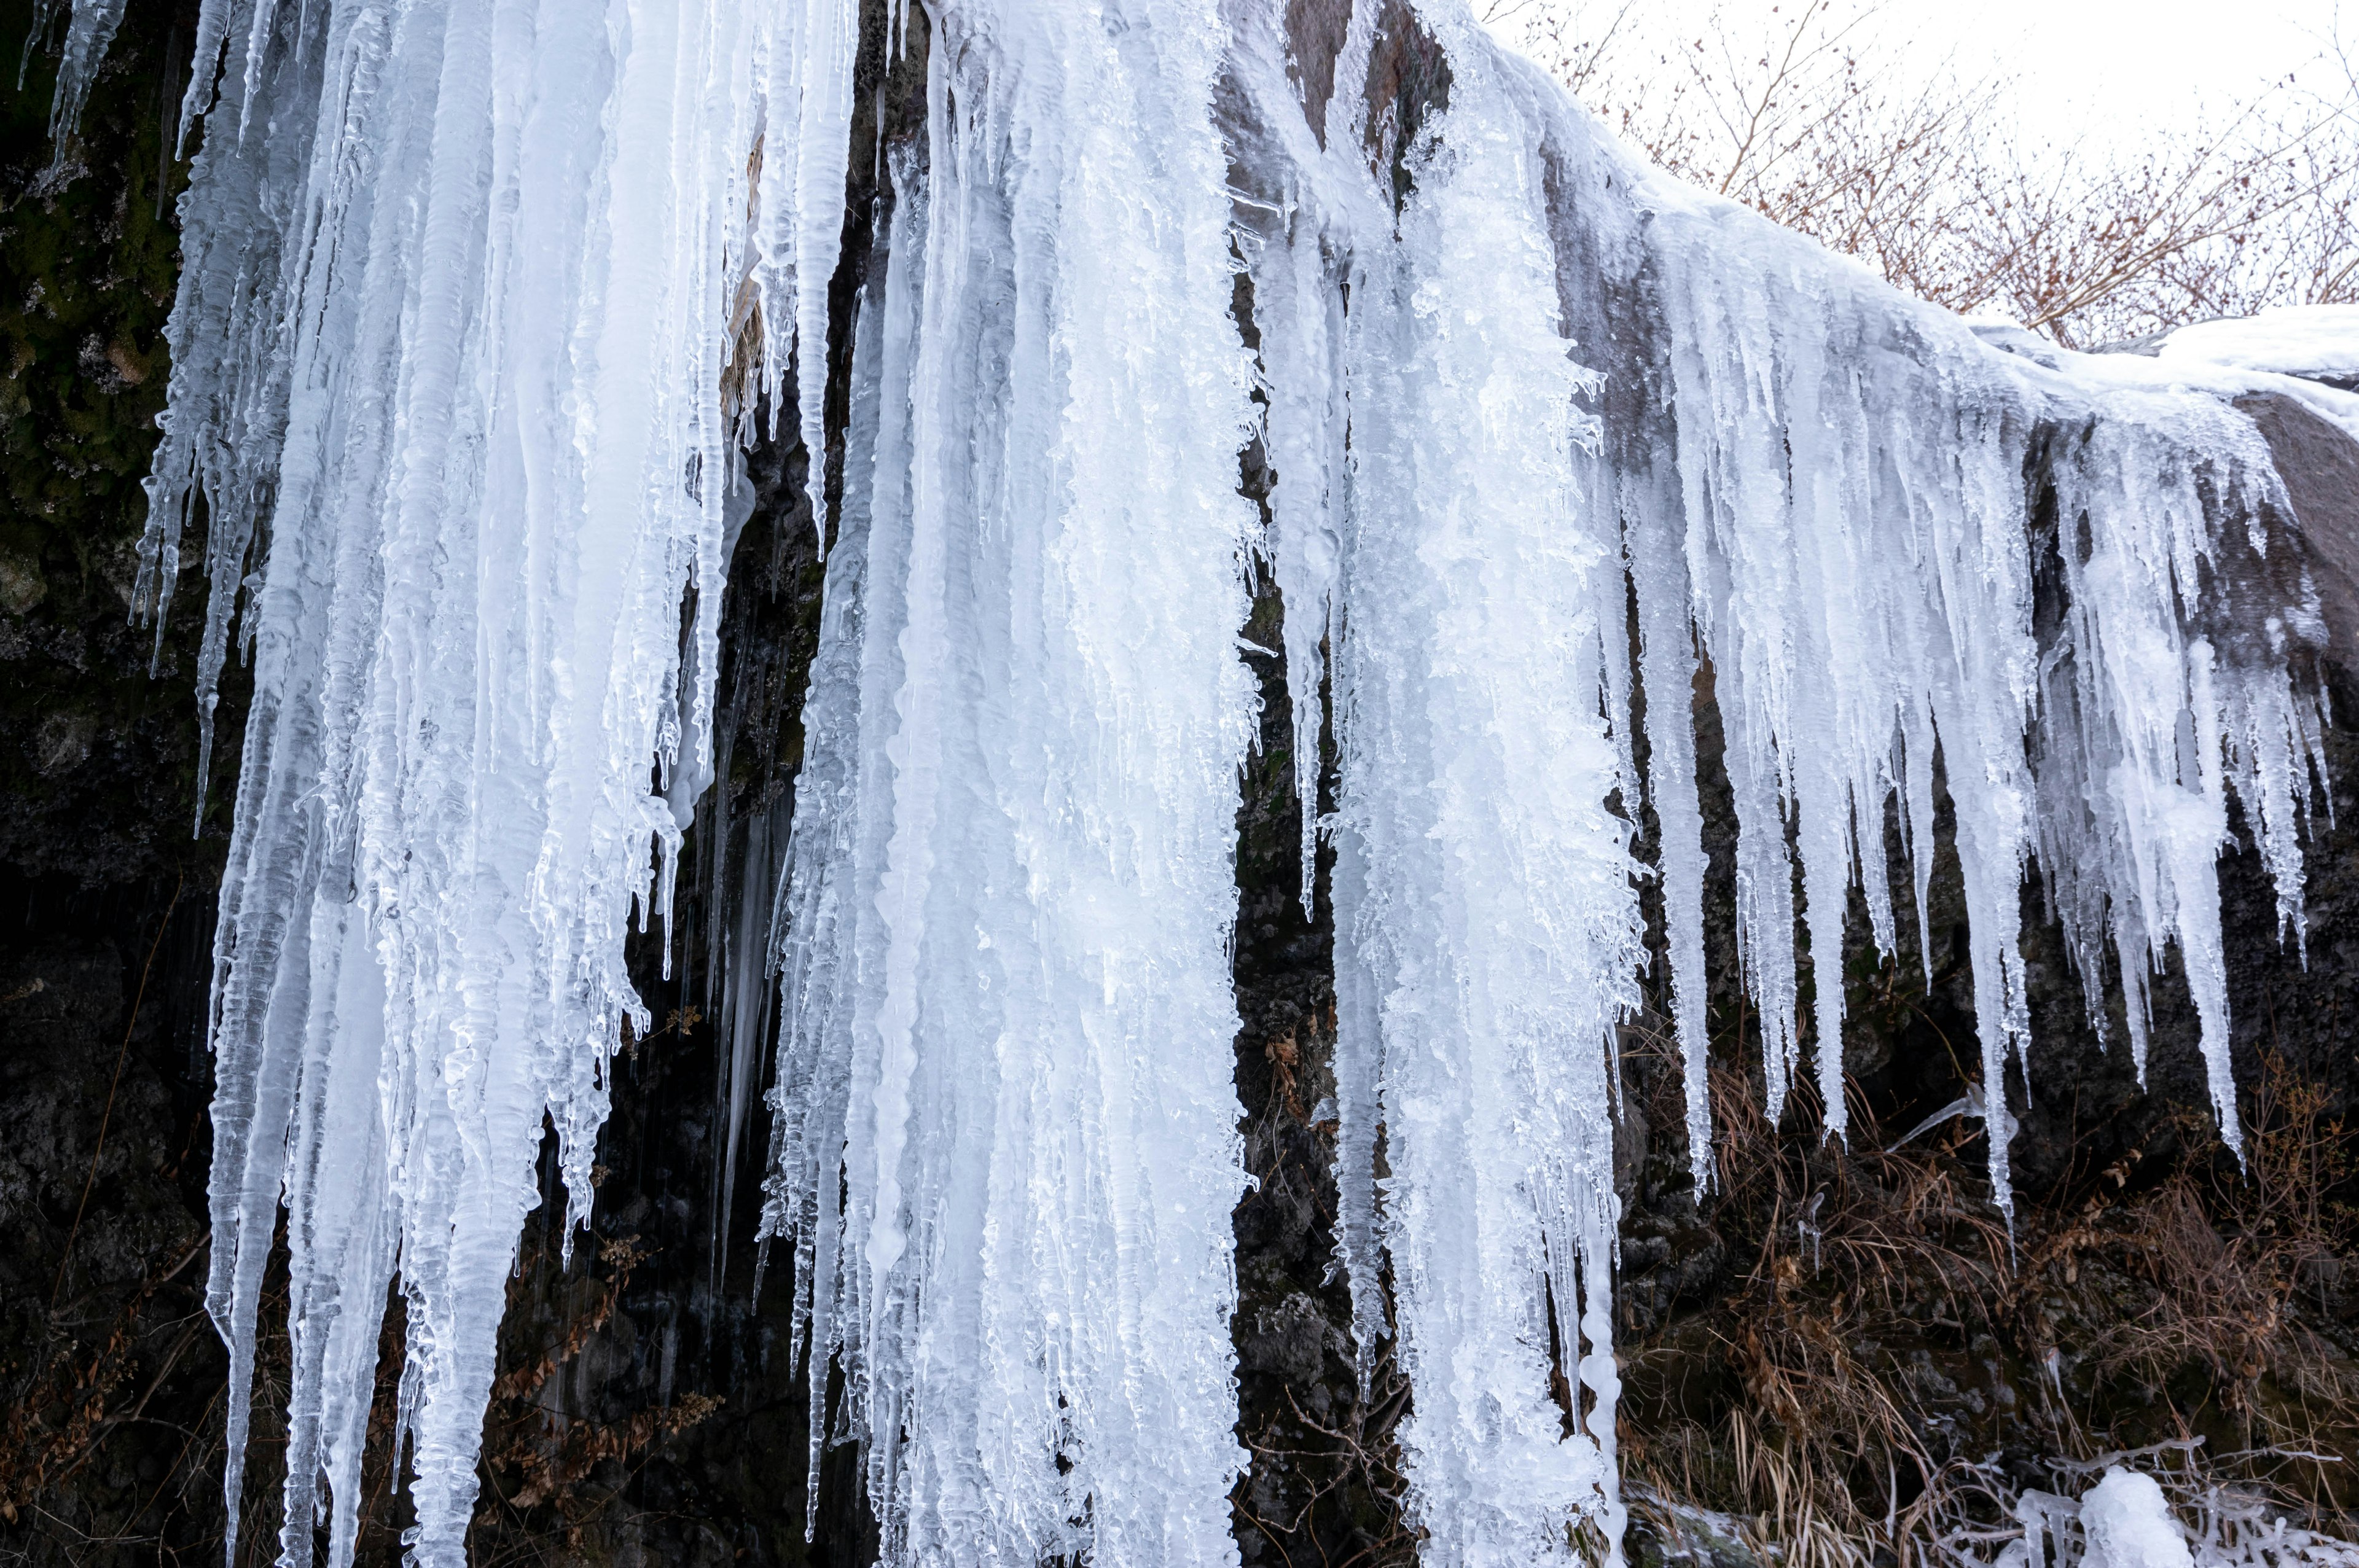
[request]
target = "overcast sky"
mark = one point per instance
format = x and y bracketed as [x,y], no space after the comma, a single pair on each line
[2107,68]
[2099,64]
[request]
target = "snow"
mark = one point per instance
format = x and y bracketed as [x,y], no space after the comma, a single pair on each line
[2314,342]
[2132,1519]
[1558,445]
[2126,1523]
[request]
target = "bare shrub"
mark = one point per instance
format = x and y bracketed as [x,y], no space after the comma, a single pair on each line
[1812,117]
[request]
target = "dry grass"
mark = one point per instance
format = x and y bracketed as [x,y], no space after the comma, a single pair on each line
[2225,1259]
[57,1421]
[2181,1310]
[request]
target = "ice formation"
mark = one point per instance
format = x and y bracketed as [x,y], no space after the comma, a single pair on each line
[90,29]
[2126,1523]
[447,365]
[472,296]
[2131,1519]
[1008,1015]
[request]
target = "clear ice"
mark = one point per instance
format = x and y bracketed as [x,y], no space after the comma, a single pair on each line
[478,305]
[455,315]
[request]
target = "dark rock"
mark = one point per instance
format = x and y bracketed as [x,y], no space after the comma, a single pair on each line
[2320,463]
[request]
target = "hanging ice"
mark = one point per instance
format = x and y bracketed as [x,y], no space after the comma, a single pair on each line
[89,31]
[1488,938]
[1008,1014]
[477,299]
[447,365]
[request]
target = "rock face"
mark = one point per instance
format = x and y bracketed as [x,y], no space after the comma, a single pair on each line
[1847,1324]
[2320,463]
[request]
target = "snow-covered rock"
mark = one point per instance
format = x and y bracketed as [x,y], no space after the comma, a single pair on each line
[2316,342]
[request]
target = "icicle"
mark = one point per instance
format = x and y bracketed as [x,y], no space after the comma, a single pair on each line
[87,38]
[805,152]
[458,499]
[1297,226]
[827,927]
[1668,668]
[1009,1014]
[2162,538]
[1298,312]
[822,148]
[1493,916]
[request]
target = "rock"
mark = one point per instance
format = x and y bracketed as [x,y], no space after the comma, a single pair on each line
[2318,461]
[61,744]
[1289,1340]
[21,587]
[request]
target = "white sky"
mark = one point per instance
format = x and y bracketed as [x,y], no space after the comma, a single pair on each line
[2104,68]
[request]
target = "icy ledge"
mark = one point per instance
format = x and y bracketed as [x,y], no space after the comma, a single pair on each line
[477,305]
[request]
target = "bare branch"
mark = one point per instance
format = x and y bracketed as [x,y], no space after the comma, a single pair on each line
[1816,120]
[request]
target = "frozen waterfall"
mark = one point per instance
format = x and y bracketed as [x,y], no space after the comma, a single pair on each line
[1007,911]
[461,295]
[483,300]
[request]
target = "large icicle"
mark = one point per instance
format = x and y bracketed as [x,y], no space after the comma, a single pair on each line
[1009,1021]
[1492,936]
[448,357]
[1299,313]
[807,70]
